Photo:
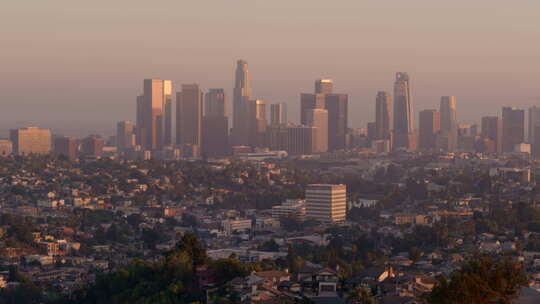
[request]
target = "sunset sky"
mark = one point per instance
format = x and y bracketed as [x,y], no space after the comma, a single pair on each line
[77,66]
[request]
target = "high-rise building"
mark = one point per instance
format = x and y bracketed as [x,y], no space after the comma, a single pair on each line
[513,128]
[277,137]
[492,131]
[125,135]
[189,103]
[301,140]
[383,108]
[326,203]
[215,103]
[215,124]
[152,127]
[318,118]
[534,120]
[241,98]
[92,146]
[310,101]
[535,146]
[429,125]
[371,132]
[31,140]
[448,134]
[404,136]
[257,123]
[324,86]
[66,146]
[167,112]
[278,114]
[6,147]
[337,106]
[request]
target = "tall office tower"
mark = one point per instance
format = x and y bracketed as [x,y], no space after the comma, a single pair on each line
[383,108]
[215,124]
[152,127]
[92,146]
[167,112]
[6,147]
[257,123]
[337,105]
[324,86]
[326,203]
[449,130]
[535,147]
[278,113]
[189,103]
[241,98]
[534,120]
[277,137]
[513,128]
[139,122]
[429,125]
[404,136]
[301,140]
[318,118]
[310,101]
[125,135]
[30,140]
[371,132]
[66,146]
[492,131]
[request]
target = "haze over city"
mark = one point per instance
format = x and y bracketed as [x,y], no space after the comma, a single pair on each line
[77,67]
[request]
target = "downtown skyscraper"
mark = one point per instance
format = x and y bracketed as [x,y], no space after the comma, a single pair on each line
[278,114]
[151,122]
[449,127]
[513,128]
[404,136]
[383,114]
[189,106]
[241,98]
[429,126]
[215,124]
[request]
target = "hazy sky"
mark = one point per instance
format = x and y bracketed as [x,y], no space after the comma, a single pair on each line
[76,66]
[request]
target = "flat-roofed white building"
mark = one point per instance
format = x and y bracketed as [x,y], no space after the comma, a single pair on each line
[326,203]
[291,207]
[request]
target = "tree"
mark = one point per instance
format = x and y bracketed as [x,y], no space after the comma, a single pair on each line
[482,280]
[361,295]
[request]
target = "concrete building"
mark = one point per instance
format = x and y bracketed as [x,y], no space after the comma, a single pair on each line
[278,114]
[215,128]
[326,203]
[189,106]
[290,208]
[231,226]
[324,86]
[6,147]
[318,118]
[257,123]
[513,128]
[153,114]
[301,140]
[492,132]
[241,98]
[125,135]
[337,107]
[31,140]
[92,146]
[310,101]
[404,134]
[429,125]
[534,120]
[66,146]
[167,112]
[448,133]
[383,114]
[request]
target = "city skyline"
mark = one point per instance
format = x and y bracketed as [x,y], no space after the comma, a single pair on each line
[66,90]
